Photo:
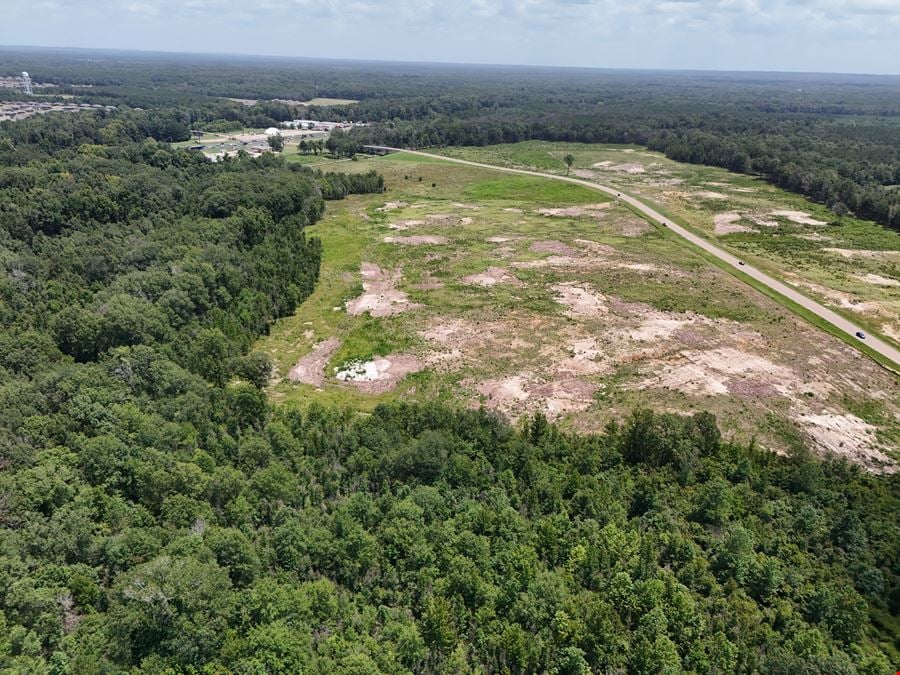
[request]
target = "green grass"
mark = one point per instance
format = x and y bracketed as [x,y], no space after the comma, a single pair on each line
[532,190]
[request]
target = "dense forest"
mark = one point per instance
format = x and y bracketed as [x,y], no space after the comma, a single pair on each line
[158,514]
[833,138]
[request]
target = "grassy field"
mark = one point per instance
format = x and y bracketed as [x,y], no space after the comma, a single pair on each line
[850,265]
[524,295]
[331,101]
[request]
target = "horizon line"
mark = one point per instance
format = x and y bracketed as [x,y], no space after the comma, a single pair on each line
[524,66]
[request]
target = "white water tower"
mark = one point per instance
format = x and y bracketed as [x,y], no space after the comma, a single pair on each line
[26,83]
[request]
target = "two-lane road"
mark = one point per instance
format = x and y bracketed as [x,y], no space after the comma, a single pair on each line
[779,287]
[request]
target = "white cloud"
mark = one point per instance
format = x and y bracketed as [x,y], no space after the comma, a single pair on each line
[842,35]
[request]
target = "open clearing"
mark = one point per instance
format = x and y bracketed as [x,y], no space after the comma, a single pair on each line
[528,296]
[773,230]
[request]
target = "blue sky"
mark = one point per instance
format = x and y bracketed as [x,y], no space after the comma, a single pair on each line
[804,35]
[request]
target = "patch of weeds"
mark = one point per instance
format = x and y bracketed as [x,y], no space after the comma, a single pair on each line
[372,337]
[786,432]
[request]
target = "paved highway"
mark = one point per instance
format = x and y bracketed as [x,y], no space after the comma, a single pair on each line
[816,308]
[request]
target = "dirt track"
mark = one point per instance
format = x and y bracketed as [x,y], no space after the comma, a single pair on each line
[819,310]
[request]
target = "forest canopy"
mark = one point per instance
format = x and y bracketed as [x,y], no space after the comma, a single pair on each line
[832,138]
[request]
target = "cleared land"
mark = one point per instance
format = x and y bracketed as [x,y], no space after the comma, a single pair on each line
[849,265]
[524,294]
[255,141]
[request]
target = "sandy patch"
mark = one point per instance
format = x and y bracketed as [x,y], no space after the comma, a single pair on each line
[586,173]
[500,240]
[311,368]
[631,169]
[596,247]
[707,194]
[657,329]
[848,436]
[506,390]
[878,280]
[523,393]
[417,240]
[799,217]
[405,224]
[513,209]
[470,207]
[564,396]
[841,299]
[726,223]
[380,296]
[862,253]
[891,331]
[553,246]
[448,219]
[392,206]
[721,371]
[593,210]
[379,375]
[491,277]
[580,300]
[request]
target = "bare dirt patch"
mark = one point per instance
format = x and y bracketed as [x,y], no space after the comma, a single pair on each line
[417,240]
[580,301]
[553,246]
[878,280]
[862,253]
[380,374]
[392,206]
[405,224]
[629,168]
[848,436]
[380,296]
[707,194]
[491,277]
[592,210]
[712,371]
[448,219]
[842,299]
[311,368]
[799,217]
[726,223]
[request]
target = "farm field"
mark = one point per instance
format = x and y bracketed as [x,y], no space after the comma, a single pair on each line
[525,295]
[849,265]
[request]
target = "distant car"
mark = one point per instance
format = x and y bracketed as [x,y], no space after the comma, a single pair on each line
[860,335]
[740,262]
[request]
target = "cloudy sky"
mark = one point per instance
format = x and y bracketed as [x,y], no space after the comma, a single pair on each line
[802,35]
